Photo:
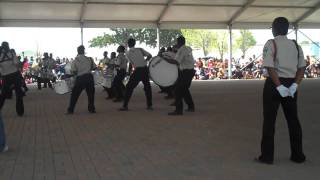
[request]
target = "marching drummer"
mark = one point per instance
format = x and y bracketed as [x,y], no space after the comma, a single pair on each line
[81,67]
[137,56]
[185,60]
[47,65]
[122,63]
[11,77]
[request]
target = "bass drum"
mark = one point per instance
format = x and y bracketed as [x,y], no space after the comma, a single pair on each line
[163,73]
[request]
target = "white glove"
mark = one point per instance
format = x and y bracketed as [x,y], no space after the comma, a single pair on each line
[293,89]
[283,91]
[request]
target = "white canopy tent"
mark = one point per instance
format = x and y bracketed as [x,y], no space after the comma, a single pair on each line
[157,13]
[163,14]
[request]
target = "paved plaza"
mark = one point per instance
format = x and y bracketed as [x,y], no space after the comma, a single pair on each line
[217,142]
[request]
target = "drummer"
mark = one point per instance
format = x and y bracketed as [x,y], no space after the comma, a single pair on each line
[169,53]
[47,65]
[136,57]
[10,76]
[185,60]
[81,67]
[121,63]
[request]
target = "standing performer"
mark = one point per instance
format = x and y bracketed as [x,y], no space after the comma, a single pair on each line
[185,60]
[102,65]
[137,56]
[81,67]
[110,71]
[285,63]
[9,69]
[46,67]
[122,63]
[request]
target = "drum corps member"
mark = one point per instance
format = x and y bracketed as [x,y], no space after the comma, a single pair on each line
[81,67]
[185,60]
[122,63]
[137,56]
[9,69]
[110,71]
[285,63]
[46,67]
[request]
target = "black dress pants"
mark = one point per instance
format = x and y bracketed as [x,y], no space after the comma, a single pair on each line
[83,82]
[271,102]
[182,90]
[140,74]
[118,83]
[13,79]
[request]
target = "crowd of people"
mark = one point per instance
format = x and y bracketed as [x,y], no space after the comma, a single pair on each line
[251,68]
[208,68]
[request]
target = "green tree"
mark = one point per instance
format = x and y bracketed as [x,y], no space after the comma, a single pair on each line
[245,41]
[168,37]
[199,38]
[147,36]
[305,42]
[221,42]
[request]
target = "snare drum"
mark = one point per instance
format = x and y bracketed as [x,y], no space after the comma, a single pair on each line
[163,73]
[64,86]
[98,77]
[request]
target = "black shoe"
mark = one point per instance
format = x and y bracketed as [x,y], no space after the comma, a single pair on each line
[173,104]
[117,100]
[124,109]
[190,110]
[168,97]
[263,161]
[107,98]
[93,112]
[175,113]
[69,113]
[150,108]
[298,160]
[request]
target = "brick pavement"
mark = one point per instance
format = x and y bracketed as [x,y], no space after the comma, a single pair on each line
[218,141]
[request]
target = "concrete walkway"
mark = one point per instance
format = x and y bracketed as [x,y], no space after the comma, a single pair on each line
[217,142]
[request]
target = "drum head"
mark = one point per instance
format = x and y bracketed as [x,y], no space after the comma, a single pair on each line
[61,87]
[163,73]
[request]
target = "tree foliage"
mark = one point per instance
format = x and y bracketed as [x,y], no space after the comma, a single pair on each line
[200,38]
[221,43]
[245,41]
[168,37]
[147,36]
[207,40]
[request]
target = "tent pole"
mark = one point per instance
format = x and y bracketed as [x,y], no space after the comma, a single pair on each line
[158,37]
[296,28]
[230,51]
[81,28]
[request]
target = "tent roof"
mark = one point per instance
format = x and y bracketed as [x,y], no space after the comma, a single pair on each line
[152,13]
